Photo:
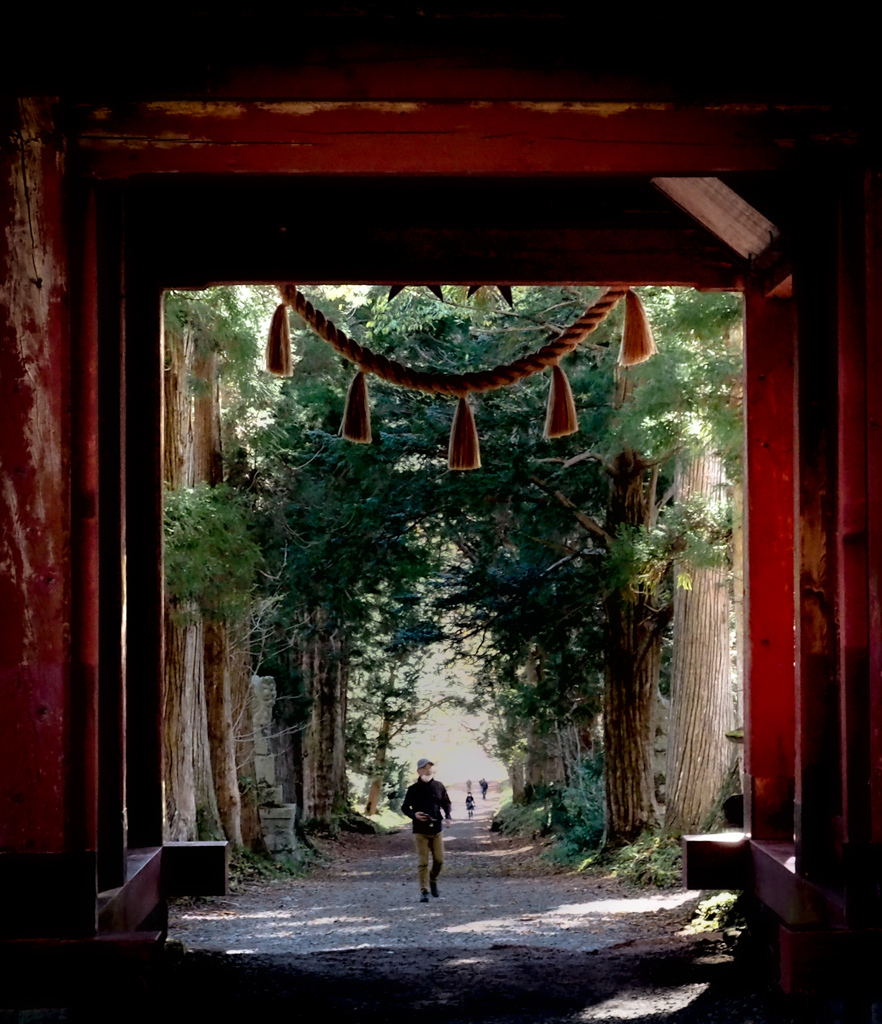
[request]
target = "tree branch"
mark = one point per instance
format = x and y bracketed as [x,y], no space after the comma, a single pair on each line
[584,520]
[417,715]
[566,463]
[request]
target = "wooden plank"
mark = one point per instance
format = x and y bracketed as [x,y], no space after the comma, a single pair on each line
[111,491]
[196,869]
[437,138]
[723,212]
[83,766]
[144,581]
[720,861]
[457,257]
[852,550]
[451,232]
[873,256]
[818,761]
[125,908]
[797,901]
[35,685]
[769,599]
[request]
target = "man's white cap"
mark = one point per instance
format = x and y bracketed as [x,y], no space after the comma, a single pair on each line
[423,761]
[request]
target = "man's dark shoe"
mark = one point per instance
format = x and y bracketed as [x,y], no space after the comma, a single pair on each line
[424,897]
[434,888]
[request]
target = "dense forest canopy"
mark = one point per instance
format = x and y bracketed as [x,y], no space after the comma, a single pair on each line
[565,572]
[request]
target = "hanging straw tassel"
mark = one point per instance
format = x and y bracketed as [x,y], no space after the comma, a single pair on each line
[464,451]
[278,347]
[637,341]
[357,414]
[560,417]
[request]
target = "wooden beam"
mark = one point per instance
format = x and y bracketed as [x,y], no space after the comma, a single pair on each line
[797,901]
[84,540]
[719,861]
[144,582]
[818,751]
[196,869]
[426,137]
[39,813]
[111,505]
[126,908]
[852,552]
[873,242]
[456,232]
[723,212]
[769,715]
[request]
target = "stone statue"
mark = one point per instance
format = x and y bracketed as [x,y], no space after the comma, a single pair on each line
[263,698]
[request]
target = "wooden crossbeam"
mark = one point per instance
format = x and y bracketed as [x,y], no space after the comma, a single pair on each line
[723,212]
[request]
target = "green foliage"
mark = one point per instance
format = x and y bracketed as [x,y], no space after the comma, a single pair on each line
[246,867]
[718,912]
[579,813]
[574,815]
[211,553]
[385,547]
[532,819]
[653,859]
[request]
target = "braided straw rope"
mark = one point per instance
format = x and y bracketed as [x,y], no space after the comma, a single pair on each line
[458,384]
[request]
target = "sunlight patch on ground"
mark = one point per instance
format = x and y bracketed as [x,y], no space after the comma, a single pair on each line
[338,920]
[495,853]
[572,915]
[636,1005]
[633,905]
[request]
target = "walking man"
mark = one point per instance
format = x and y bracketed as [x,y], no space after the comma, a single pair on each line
[426,803]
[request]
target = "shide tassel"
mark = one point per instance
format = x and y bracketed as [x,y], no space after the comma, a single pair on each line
[560,417]
[357,414]
[278,347]
[464,451]
[637,341]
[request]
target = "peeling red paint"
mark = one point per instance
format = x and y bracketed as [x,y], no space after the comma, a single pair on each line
[34,488]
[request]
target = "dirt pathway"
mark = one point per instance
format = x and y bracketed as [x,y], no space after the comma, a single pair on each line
[493,889]
[508,941]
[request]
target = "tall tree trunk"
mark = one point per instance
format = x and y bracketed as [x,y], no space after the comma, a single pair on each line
[515,769]
[634,631]
[207,814]
[325,674]
[373,800]
[628,719]
[191,456]
[738,596]
[221,738]
[243,733]
[699,755]
[181,644]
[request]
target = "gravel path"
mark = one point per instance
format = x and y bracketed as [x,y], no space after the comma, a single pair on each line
[509,942]
[494,890]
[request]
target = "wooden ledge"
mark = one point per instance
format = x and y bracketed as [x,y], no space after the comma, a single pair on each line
[717,861]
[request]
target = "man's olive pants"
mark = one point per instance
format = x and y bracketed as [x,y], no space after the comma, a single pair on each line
[423,845]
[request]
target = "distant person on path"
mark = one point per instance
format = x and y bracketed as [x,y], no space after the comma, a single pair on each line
[470,804]
[468,785]
[485,785]
[426,803]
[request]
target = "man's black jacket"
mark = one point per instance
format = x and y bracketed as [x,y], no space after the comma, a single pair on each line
[432,799]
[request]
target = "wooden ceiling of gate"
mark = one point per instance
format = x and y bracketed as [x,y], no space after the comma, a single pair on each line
[418,230]
[472,147]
